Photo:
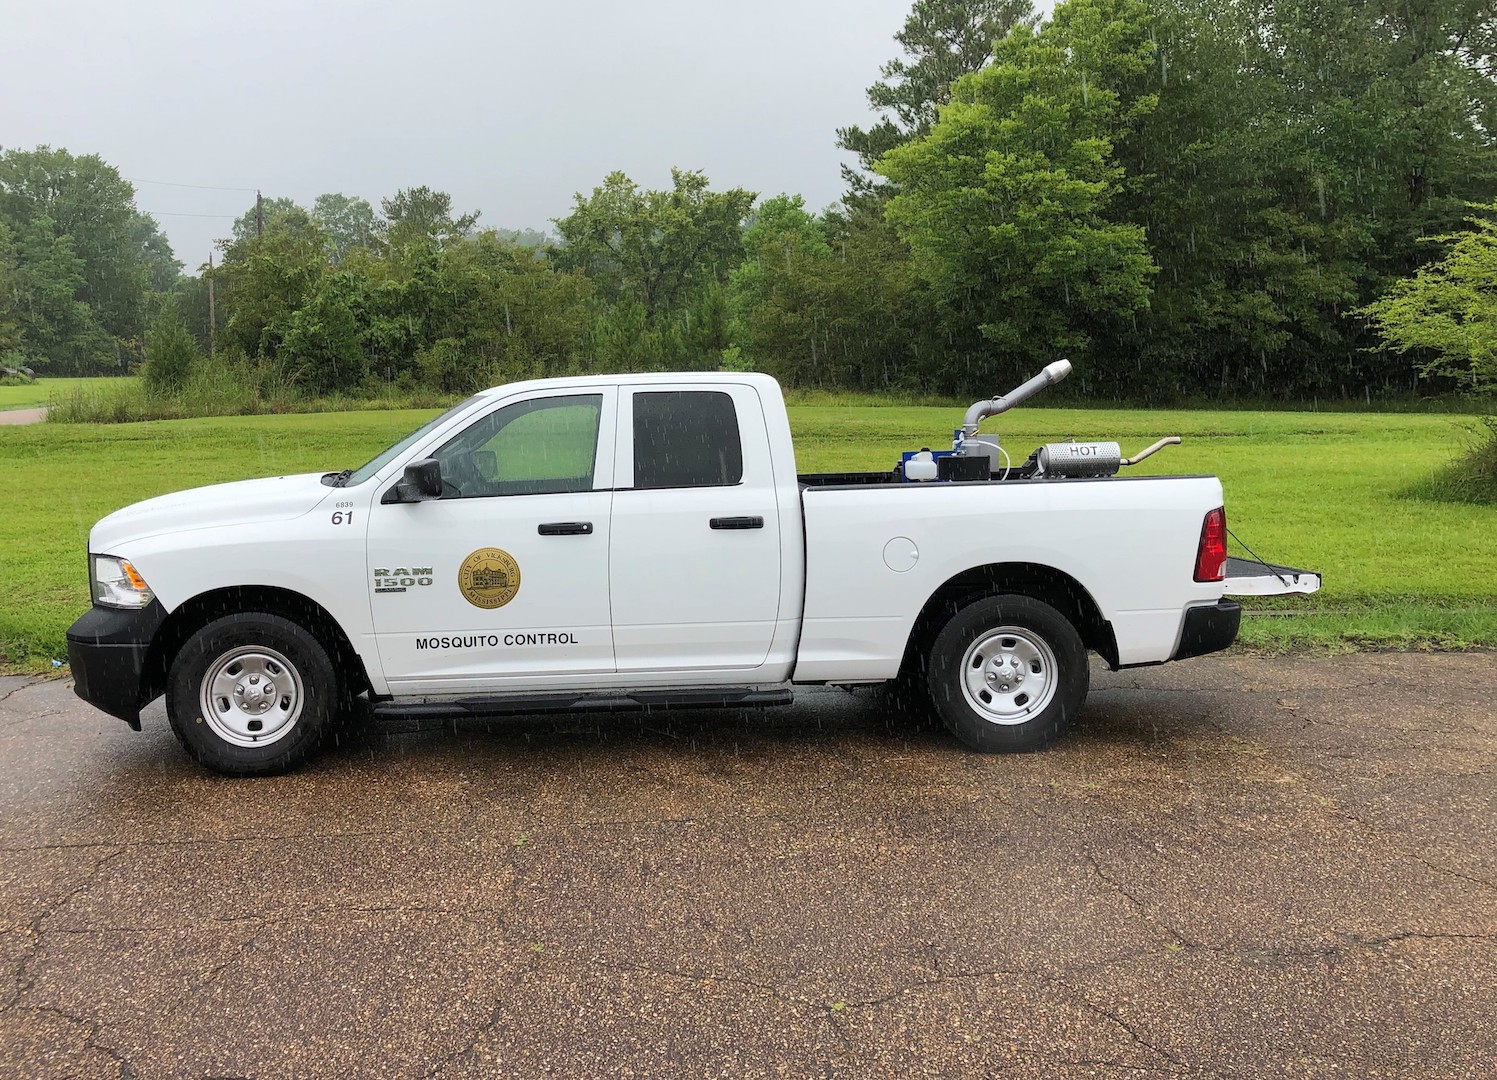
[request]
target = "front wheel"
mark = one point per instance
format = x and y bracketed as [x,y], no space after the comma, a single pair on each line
[1008,674]
[251,694]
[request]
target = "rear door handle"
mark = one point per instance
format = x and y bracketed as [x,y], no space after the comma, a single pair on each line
[565,528]
[738,523]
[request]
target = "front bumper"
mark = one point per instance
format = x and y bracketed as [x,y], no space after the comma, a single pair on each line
[1209,629]
[108,650]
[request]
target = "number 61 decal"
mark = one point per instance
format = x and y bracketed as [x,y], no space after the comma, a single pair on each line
[342,517]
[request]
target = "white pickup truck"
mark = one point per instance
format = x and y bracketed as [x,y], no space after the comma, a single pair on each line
[637,541]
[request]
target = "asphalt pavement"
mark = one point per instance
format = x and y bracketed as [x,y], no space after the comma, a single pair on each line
[1232,867]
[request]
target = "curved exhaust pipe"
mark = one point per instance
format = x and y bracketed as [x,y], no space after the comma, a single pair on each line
[981,410]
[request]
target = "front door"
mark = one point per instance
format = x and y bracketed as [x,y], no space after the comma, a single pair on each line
[504,579]
[694,563]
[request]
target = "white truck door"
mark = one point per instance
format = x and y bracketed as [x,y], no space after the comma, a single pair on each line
[694,559]
[506,576]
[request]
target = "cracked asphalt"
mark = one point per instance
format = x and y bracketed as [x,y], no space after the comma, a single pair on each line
[1233,867]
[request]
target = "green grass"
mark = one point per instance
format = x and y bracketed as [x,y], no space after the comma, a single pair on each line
[45,391]
[1318,490]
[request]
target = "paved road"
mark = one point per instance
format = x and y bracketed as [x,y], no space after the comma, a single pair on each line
[22,416]
[1234,867]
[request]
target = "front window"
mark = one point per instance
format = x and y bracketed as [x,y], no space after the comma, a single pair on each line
[542,446]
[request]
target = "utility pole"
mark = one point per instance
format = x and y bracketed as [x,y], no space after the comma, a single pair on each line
[212,311]
[259,214]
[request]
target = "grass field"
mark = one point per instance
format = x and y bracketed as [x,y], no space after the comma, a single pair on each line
[1319,490]
[43,391]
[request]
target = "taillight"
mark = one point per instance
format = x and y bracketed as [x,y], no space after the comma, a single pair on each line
[1211,556]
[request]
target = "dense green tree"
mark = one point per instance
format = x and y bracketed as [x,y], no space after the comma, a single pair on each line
[83,268]
[1446,314]
[657,249]
[528,238]
[189,296]
[942,41]
[1007,203]
[266,279]
[421,215]
[347,221]
[1277,163]
[513,315]
[155,253]
[779,290]
[319,346]
[60,333]
[278,213]
[10,295]
[1298,153]
[830,300]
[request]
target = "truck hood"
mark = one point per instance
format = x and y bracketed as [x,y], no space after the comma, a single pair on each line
[276,498]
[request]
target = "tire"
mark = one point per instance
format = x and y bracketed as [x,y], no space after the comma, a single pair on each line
[1008,674]
[217,702]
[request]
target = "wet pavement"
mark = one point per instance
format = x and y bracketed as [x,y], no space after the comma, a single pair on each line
[1232,867]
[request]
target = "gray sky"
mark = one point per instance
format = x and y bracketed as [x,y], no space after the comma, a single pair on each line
[512,107]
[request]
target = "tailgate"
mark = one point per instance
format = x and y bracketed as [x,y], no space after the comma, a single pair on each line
[1249,577]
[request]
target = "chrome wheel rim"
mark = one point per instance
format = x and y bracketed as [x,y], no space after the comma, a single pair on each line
[251,696]
[1009,675]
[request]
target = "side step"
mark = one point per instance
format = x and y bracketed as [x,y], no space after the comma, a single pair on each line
[727,697]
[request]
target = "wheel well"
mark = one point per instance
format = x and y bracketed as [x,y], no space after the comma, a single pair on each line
[1045,583]
[198,612]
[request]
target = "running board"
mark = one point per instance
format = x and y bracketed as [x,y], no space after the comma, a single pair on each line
[633,701]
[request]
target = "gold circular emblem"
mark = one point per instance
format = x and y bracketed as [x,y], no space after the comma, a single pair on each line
[489,578]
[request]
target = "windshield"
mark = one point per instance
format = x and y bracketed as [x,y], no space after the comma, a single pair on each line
[384,457]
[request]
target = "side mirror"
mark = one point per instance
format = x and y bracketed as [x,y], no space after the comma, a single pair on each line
[422,481]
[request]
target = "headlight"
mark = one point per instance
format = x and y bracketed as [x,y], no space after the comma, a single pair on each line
[118,584]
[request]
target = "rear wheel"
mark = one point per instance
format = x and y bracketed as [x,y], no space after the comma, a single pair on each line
[1008,674]
[251,694]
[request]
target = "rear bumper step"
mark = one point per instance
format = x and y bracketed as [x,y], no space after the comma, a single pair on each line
[1208,629]
[631,701]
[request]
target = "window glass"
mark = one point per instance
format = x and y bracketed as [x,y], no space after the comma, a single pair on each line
[542,446]
[686,438]
[368,469]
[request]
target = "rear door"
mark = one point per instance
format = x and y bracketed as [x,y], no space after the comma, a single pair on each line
[694,557]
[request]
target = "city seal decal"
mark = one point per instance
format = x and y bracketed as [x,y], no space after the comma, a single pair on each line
[489,578]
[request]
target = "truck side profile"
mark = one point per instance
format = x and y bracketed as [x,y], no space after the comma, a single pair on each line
[641,541]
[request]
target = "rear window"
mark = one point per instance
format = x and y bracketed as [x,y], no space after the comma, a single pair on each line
[686,438]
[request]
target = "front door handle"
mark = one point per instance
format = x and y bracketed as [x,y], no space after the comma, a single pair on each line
[738,523]
[565,528]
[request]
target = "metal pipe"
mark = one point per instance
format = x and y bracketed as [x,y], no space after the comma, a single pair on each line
[981,410]
[1168,440]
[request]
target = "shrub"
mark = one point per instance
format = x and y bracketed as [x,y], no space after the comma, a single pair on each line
[448,365]
[15,368]
[1447,312]
[321,348]
[171,355]
[1470,478]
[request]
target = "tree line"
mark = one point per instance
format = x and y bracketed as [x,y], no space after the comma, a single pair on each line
[79,265]
[1214,198]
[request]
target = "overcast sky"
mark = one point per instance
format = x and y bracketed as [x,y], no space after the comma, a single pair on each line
[512,107]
